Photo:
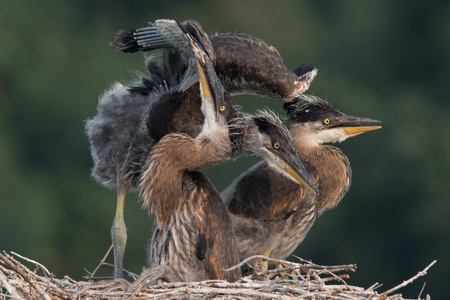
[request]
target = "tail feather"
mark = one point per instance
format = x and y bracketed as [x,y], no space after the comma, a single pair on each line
[166,36]
[125,42]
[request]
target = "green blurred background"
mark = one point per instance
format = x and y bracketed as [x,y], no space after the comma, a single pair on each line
[388,60]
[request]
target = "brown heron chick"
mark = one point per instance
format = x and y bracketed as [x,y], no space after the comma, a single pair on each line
[244,64]
[272,215]
[193,233]
[121,139]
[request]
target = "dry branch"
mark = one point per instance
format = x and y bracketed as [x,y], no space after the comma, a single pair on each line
[405,283]
[305,281]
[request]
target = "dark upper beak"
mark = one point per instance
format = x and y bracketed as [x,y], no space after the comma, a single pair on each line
[294,166]
[350,124]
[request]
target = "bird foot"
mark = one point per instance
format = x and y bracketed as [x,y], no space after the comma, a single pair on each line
[159,273]
[255,272]
[292,274]
[260,265]
[108,286]
[258,277]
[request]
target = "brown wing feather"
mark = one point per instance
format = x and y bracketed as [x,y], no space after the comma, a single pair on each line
[275,199]
[246,65]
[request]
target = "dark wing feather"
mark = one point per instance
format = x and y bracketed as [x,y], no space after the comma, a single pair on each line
[149,38]
[253,200]
[176,111]
[165,34]
[247,65]
[125,42]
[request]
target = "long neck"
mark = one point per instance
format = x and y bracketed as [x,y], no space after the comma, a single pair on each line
[327,165]
[162,182]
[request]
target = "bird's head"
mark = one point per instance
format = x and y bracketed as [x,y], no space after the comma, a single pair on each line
[218,107]
[318,122]
[270,139]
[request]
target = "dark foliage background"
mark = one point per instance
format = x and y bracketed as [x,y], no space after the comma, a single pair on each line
[383,59]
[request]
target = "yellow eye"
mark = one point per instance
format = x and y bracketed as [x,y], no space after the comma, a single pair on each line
[276,145]
[222,108]
[326,121]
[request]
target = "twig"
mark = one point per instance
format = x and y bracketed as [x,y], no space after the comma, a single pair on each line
[310,265]
[317,278]
[258,256]
[7,296]
[336,277]
[129,273]
[50,285]
[423,287]
[405,283]
[8,287]
[277,271]
[13,264]
[301,259]
[374,286]
[306,268]
[18,282]
[66,277]
[46,272]
[91,275]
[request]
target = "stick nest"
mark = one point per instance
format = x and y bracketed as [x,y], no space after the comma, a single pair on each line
[303,280]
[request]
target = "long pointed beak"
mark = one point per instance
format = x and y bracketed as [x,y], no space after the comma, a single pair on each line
[353,120]
[293,165]
[205,80]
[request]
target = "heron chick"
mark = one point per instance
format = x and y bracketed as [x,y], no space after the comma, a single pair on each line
[193,233]
[272,215]
[121,139]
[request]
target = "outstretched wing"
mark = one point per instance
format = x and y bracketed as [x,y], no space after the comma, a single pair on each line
[247,65]
[244,64]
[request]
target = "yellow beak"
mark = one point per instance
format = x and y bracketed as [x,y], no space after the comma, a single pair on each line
[359,129]
[203,80]
[291,172]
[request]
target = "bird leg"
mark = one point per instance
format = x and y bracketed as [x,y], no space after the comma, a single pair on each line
[119,236]
[160,273]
